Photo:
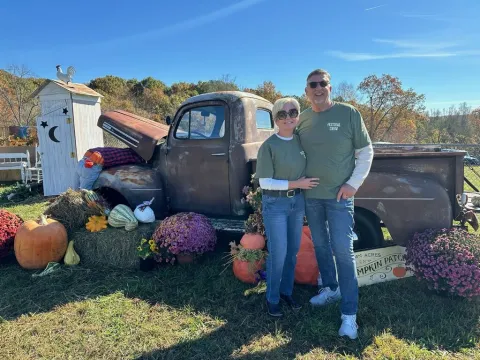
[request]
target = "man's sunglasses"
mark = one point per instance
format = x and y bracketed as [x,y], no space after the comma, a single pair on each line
[313,84]
[282,114]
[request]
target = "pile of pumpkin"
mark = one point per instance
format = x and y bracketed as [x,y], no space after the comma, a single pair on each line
[120,216]
[249,258]
[37,243]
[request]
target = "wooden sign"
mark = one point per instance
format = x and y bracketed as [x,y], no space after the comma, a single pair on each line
[380,265]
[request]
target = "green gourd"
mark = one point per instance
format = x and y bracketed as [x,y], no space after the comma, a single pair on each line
[122,216]
[71,256]
[91,196]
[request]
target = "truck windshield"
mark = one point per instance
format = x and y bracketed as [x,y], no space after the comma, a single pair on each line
[206,122]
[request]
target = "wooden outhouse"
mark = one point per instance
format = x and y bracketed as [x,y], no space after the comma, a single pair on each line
[67,128]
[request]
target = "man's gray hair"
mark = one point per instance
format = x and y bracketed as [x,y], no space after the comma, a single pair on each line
[319,72]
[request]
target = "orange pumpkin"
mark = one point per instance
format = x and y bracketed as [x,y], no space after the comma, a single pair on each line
[399,271]
[252,241]
[38,243]
[245,271]
[306,270]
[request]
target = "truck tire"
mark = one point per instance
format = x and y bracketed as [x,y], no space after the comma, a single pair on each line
[367,229]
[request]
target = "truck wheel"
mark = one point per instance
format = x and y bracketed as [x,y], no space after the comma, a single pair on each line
[367,229]
[112,196]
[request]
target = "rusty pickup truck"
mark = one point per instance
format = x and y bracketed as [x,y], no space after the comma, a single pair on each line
[206,154]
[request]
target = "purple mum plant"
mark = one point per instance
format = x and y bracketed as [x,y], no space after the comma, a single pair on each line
[448,260]
[184,233]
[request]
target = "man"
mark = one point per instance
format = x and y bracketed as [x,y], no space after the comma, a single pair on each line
[332,135]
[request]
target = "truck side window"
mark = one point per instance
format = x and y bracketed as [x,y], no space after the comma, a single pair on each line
[264,119]
[206,122]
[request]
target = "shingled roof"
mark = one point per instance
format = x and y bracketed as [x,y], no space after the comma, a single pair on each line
[80,89]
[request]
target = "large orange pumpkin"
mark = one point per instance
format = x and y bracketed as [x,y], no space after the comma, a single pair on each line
[38,243]
[245,271]
[252,241]
[306,270]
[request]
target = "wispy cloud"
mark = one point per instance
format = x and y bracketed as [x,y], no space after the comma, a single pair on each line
[350,56]
[408,49]
[184,25]
[375,7]
[415,44]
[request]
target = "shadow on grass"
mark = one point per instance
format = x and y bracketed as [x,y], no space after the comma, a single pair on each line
[400,307]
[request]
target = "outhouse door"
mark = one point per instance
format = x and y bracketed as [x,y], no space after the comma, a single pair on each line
[56,138]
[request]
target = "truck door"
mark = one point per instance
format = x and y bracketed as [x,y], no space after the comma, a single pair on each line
[197,160]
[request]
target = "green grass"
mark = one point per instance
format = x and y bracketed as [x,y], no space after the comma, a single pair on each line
[472,173]
[199,312]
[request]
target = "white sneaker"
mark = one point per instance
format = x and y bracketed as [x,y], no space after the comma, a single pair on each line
[349,326]
[326,296]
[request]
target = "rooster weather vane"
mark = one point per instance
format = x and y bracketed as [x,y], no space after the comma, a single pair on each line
[66,78]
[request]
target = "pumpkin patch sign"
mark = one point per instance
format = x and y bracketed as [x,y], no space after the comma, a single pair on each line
[379,265]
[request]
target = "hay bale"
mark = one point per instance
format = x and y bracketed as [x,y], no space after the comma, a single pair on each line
[71,209]
[112,247]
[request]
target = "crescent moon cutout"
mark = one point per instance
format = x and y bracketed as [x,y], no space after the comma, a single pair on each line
[51,134]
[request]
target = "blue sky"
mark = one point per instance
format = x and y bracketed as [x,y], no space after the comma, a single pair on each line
[433,46]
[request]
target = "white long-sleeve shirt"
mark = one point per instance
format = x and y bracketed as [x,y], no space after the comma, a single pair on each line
[363,164]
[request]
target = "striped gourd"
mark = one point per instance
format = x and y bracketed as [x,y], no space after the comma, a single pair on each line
[91,197]
[121,215]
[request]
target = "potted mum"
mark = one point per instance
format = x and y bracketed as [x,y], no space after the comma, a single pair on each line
[9,225]
[183,237]
[447,260]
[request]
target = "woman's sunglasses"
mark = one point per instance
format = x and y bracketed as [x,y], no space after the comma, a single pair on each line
[313,84]
[282,114]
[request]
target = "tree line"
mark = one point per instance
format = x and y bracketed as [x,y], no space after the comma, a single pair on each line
[392,113]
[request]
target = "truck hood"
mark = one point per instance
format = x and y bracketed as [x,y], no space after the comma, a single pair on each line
[139,133]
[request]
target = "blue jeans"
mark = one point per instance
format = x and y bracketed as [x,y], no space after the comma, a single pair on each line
[283,220]
[331,224]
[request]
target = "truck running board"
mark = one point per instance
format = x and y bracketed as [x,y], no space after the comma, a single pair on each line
[230,225]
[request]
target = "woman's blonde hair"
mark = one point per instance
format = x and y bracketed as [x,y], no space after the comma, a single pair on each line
[278,105]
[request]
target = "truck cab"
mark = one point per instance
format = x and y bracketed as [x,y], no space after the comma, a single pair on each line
[199,162]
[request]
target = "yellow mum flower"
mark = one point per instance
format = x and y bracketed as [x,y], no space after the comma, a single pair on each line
[139,248]
[151,242]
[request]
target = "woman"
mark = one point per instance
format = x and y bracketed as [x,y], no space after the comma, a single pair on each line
[281,165]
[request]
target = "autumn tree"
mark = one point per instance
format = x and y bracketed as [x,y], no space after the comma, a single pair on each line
[266,90]
[148,83]
[16,104]
[389,111]
[345,92]
[225,83]
[303,101]
[181,91]
[457,124]
[112,85]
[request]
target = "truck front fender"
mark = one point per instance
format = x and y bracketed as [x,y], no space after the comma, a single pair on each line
[136,183]
[405,203]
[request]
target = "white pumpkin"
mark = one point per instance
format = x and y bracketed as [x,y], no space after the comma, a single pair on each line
[144,212]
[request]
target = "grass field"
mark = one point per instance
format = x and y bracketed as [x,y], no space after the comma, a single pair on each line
[199,312]
[472,173]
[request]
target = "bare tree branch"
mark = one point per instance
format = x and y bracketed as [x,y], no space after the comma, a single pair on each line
[16,86]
